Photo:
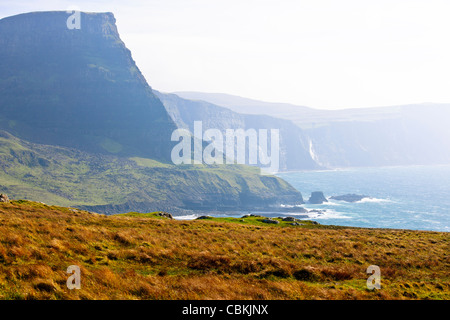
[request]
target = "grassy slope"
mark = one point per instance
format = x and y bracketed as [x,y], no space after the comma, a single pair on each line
[70,177]
[137,256]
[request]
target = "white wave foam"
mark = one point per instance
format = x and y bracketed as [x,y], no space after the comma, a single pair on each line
[324,214]
[294,214]
[373,200]
[186,217]
[330,214]
[290,206]
[331,202]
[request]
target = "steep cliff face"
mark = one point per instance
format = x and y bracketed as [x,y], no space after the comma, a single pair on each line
[78,87]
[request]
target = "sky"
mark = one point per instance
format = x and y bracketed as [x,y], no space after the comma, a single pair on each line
[324,54]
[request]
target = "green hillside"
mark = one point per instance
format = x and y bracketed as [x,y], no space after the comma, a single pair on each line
[112,184]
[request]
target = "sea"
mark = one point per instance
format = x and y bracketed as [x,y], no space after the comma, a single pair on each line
[406,197]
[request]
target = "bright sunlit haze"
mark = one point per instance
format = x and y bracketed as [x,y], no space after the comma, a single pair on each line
[321,54]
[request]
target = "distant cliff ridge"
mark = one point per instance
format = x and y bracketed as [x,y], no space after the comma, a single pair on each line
[417,134]
[294,148]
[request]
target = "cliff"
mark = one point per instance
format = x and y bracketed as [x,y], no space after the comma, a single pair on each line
[416,134]
[78,87]
[294,144]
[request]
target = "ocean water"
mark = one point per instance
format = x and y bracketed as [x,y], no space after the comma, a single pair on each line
[413,197]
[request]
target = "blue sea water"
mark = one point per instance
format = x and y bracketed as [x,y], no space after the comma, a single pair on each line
[413,197]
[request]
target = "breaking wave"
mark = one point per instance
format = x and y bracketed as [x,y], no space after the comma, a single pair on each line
[328,214]
[186,217]
[373,200]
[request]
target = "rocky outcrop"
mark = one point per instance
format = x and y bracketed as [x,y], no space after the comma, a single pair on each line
[349,197]
[271,221]
[317,197]
[289,219]
[165,215]
[4,198]
[204,218]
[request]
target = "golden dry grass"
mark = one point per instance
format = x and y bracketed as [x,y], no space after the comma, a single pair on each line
[147,258]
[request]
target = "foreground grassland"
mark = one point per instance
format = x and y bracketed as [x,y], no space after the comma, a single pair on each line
[142,256]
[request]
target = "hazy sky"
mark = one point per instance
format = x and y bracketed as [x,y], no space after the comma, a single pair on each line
[320,53]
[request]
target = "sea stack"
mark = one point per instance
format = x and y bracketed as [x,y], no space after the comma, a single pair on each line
[317,197]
